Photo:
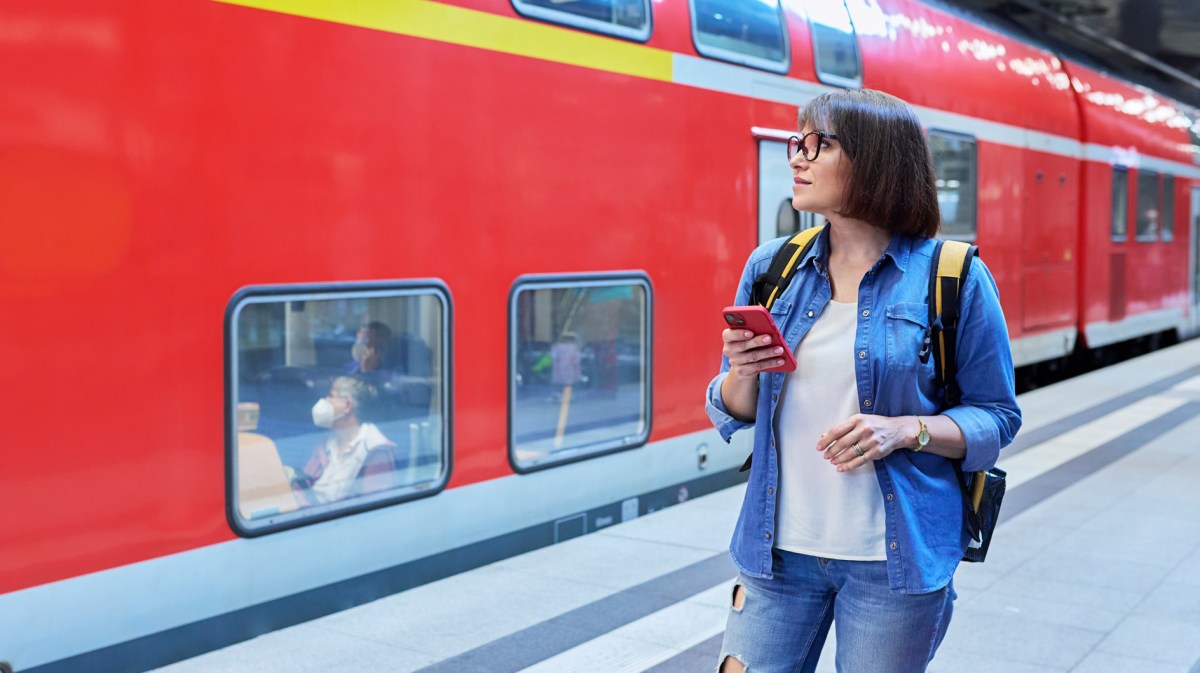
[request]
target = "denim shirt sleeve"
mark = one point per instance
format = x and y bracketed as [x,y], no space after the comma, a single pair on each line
[714,404]
[987,413]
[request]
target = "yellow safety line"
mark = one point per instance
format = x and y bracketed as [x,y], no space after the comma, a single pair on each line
[472,28]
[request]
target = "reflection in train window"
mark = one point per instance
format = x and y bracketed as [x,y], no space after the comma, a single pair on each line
[1168,208]
[835,47]
[748,33]
[955,168]
[339,399]
[1120,204]
[622,18]
[579,368]
[1147,206]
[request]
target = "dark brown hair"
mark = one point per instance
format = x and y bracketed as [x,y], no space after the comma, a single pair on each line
[891,183]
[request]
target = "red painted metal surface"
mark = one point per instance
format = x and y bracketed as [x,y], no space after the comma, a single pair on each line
[157,157]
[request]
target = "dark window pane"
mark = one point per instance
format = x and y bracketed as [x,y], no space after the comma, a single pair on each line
[339,400]
[742,31]
[1168,209]
[955,168]
[1149,210]
[623,18]
[581,379]
[1120,204]
[835,48]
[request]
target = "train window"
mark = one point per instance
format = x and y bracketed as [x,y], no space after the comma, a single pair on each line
[956,170]
[747,33]
[1120,204]
[338,401]
[1148,206]
[629,19]
[835,47]
[1168,208]
[579,367]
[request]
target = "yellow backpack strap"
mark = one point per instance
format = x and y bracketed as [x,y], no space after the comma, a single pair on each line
[951,263]
[770,285]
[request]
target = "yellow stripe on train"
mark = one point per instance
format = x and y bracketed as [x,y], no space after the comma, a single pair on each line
[472,28]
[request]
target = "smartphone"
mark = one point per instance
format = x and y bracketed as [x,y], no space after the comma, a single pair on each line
[756,319]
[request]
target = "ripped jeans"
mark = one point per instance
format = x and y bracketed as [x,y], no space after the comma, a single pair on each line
[779,625]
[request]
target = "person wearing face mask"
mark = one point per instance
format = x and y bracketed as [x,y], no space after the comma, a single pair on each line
[355,457]
[371,349]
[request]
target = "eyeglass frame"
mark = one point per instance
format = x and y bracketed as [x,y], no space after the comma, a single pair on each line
[801,145]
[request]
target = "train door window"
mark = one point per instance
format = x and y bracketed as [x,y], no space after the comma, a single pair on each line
[747,33]
[629,19]
[776,216]
[1168,208]
[955,167]
[579,367]
[338,401]
[1148,206]
[835,47]
[1120,203]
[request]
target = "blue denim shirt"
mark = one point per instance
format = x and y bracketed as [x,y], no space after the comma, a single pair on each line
[922,500]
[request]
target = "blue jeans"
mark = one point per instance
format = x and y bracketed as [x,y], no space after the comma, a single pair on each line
[782,623]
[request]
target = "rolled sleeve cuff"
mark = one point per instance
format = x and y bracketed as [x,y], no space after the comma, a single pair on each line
[983,439]
[718,414]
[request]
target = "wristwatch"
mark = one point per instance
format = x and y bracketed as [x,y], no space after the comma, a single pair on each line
[922,436]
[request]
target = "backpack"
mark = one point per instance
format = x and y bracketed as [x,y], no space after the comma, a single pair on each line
[948,271]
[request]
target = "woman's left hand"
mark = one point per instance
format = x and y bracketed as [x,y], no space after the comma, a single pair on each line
[875,437]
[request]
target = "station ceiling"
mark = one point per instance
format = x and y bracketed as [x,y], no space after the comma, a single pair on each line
[1153,42]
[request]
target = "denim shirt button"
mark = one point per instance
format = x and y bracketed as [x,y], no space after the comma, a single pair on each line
[771,491]
[890,497]
[769,537]
[810,314]
[867,313]
[862,355]
[867,403]
[890,546]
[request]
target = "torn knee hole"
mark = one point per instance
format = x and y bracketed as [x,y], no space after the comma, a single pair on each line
[732,665]
[739,597]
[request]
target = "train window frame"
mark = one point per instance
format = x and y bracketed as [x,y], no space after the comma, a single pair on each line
[781,66]
[1167,224]
[1123,197]
[973,142]
[1156,178]
[268,294]
[564,18]
[824,76]
[592,450]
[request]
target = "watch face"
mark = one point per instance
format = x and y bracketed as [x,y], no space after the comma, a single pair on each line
[923,436]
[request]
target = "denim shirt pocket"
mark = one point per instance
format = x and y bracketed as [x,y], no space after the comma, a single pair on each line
[780,312]
[907,324]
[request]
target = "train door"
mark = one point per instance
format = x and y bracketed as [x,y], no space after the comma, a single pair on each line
[1194,265]
[776,217]
[1049,247]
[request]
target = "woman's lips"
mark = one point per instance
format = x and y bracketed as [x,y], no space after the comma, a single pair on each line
[801,181]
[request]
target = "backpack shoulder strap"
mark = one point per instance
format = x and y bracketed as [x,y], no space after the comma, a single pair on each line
[951,263]
[770,285]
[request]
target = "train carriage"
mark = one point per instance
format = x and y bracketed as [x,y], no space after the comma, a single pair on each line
[216,214]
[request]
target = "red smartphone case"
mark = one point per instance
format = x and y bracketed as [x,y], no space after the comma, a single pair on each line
[756,319]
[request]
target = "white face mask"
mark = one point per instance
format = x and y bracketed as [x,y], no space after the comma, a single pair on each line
[323,413]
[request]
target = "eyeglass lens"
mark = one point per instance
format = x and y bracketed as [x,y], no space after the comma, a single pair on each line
[809,145]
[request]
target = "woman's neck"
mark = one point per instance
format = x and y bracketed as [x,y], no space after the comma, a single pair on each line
[856,242]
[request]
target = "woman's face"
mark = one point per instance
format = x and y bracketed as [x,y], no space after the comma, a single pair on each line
[819,186]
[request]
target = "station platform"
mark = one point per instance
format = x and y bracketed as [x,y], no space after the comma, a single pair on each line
[1095,567]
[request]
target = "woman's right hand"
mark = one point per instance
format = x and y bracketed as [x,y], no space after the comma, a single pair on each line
[748,354]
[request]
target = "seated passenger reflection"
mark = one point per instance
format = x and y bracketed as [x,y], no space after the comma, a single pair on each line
[355,457]
[372,349]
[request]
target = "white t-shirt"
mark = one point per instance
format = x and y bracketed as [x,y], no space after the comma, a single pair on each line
[823,512]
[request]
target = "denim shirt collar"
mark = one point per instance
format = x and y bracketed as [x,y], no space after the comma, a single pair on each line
[899,249]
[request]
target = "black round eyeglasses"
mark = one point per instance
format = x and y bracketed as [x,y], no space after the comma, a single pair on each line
[808,144]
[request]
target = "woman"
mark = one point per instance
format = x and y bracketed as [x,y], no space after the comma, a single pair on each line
[853,515]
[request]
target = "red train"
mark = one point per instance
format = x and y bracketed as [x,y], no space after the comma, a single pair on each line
[319,301]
